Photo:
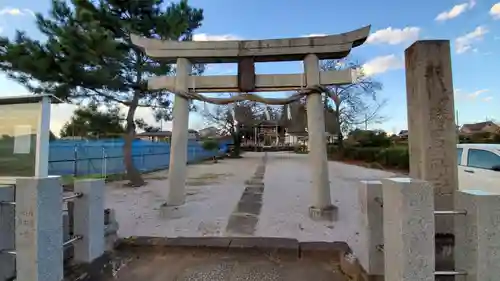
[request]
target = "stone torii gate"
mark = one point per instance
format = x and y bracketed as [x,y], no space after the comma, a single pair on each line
[246,52]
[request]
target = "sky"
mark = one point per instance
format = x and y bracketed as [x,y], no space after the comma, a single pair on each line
[472,26]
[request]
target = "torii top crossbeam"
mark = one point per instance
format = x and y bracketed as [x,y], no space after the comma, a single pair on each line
[289,49]
[246,53]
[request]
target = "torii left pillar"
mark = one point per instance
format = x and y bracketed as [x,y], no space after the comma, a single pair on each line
[178,146]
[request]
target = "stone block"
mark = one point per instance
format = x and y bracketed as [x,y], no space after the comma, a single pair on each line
[409,252]
[324,250]
[241,224]
[89,220]
[477,235]
[7,232]
[329,213]
[371,224]
[254,189]
[254,182]
[39,229]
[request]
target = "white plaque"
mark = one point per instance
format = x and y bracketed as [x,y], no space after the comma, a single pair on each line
[22,139]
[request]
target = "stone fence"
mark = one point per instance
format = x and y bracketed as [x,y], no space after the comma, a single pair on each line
[42,228]
[398,216]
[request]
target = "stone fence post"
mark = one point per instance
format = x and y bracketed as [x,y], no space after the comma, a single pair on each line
[477,235]
[409,251]
[89,220]
[371,256]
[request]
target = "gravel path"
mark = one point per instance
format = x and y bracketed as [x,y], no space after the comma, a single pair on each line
[214,190]
[212,193]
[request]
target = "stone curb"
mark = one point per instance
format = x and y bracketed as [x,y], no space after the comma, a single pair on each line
[273,244]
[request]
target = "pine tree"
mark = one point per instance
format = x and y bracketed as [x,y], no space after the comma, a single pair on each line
[88,55]
[91,123]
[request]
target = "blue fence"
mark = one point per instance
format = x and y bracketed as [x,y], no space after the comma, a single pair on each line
[80,158]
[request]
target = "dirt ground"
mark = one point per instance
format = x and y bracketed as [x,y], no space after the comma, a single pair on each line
[210,265]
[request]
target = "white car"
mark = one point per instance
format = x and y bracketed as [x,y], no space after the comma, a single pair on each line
[479,167]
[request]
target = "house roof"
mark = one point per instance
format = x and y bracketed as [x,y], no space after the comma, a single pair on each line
[7,100]
[267,123]
[161,133]
[211,128]
[155,134]
[298,133]
[402,132]
[478,126]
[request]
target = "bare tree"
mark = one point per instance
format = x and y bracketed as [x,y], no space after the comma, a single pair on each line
[354,104]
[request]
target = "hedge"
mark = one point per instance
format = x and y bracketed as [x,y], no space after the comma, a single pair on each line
[390,157]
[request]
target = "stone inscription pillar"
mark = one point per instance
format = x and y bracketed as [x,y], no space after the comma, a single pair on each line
[178,145]
[39,229]
[317,140]
[431,122]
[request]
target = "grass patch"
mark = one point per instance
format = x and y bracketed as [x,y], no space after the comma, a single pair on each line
[205,179]
[69,180]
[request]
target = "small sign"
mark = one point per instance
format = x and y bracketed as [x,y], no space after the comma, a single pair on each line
[22,139]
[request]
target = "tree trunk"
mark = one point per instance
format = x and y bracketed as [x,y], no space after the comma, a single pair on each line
[237,145]
[340,137]
[133,175]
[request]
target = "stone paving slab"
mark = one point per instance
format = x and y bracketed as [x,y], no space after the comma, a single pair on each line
[241,224]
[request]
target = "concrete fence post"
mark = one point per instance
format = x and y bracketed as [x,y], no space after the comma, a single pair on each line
[409,252]
[477,235]
[371,220]
[7,232]
[39,229]
[89,220]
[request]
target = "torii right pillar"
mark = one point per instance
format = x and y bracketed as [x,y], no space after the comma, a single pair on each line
[431,123]
[322,207]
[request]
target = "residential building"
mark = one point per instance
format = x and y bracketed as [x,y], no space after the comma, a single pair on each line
[403,134]
[155,136]
[481,127]
[166,135]
[209,132]
[193,134]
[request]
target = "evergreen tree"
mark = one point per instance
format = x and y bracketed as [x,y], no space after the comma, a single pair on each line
[88,55]
[91,123]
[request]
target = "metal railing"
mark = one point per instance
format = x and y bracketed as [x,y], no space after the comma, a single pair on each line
[436,213]
[67,243]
